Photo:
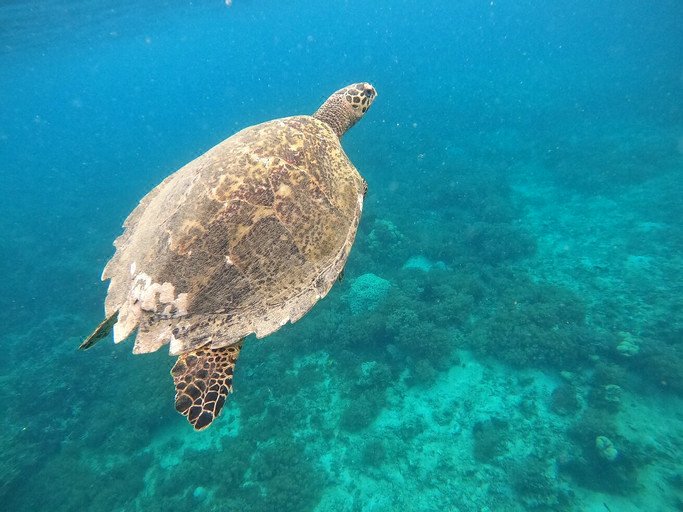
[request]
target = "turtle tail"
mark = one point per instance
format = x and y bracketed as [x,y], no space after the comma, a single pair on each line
[100,332]
[203,380]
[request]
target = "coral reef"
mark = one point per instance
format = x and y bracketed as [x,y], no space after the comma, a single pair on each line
[534,325]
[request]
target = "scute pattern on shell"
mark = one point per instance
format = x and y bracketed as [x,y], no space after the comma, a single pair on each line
[254,232]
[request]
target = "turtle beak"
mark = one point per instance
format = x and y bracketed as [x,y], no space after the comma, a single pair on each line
[369,91]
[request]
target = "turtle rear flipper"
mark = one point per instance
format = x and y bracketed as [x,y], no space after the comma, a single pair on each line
[100,331]
[203,380]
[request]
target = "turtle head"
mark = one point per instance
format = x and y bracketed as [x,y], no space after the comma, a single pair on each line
[346,106]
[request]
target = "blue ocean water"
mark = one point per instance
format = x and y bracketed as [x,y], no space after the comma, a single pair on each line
[508,335]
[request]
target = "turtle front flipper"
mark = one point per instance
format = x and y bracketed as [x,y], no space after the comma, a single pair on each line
[203,379]
[100,331]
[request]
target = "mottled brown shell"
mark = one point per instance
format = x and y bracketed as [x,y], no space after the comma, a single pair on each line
[241,240]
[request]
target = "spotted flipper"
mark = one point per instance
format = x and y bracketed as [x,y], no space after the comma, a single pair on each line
[203,379]
[100,332]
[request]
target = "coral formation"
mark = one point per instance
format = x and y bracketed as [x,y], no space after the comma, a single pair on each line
[384,236]
[563,400]
[534,325]
[366,293]
[606,448]
[536,486]
[661,365]
[628,345]
[422,263]
[490,439]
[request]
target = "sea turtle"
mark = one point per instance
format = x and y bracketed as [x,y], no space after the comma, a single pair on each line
[241,240]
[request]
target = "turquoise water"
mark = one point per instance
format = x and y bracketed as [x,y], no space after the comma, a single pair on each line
[508,334]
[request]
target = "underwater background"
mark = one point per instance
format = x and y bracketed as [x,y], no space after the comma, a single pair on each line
[508,335]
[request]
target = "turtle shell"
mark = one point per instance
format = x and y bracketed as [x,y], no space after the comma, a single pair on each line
[241,240]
